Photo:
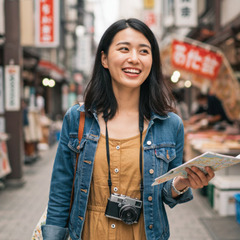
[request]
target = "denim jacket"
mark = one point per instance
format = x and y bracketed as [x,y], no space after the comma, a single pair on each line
[162,151]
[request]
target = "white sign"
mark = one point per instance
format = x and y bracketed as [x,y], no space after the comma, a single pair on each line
[186,13]
[83,61]
[1,91]
[12,88]
[168,13]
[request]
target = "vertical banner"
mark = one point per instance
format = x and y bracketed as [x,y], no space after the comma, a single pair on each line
[84,50]
[47,23]
[12,87]
[168,13]
[1,91]
[186,13]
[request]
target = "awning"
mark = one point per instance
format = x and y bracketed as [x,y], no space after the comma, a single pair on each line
[206,67]
[52,70]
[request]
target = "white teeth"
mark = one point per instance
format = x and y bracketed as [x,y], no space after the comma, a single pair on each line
[132,70]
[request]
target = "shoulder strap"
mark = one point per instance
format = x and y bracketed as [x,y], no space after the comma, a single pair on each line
[80,134]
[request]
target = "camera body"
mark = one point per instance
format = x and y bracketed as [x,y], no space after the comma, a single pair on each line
[123,208]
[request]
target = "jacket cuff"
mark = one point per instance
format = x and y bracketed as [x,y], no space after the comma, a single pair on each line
[167,192]
[52,232]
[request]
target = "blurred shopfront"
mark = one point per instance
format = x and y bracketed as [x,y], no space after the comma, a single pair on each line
[202,56]
[47,79]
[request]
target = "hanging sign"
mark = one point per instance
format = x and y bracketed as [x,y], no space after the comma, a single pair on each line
[12,88]
[186,13]
[195,59]
[47,23]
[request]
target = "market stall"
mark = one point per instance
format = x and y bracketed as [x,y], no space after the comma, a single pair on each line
[206,67]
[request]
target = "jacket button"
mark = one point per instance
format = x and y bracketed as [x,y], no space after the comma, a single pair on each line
[150,198]
[150,226]
[149,143]
[151,171]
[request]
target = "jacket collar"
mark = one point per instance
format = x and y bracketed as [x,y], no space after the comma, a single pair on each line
[154,116]
[160,117]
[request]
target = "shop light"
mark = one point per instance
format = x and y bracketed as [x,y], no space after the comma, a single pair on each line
[51,83]
[188,84]
[45,82]
[175,77]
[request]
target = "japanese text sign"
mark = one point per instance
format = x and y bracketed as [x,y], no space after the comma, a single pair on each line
[186,13]
[195,59]
[47,23]
[12,87]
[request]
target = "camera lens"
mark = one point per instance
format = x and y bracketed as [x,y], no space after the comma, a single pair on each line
[128,214]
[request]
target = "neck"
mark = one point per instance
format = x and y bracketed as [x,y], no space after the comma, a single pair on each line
[128,101]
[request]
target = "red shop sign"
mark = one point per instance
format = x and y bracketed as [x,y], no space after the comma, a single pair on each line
[195,59]
[47,22]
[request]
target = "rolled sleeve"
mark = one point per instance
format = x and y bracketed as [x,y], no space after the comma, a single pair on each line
[170,201]
[52,232]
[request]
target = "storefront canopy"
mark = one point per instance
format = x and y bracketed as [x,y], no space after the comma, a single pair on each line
[206,67]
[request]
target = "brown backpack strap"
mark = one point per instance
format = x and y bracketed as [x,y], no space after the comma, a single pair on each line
[80,134]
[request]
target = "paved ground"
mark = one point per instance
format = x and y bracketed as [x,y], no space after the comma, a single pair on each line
[21,208]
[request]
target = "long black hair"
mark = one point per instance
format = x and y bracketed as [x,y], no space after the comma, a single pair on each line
[155,94]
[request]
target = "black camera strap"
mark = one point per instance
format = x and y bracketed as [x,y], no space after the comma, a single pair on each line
[140,156]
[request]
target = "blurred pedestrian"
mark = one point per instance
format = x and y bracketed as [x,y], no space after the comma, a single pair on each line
[209,108]
[131,136]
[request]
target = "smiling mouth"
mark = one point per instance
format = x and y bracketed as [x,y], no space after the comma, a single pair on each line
[132,70]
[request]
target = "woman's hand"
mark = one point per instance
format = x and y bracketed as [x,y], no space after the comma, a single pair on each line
[197,178]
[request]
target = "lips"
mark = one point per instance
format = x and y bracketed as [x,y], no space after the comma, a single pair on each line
[132,70]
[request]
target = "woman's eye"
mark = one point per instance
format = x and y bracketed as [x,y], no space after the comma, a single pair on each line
[124,49]
[145,51]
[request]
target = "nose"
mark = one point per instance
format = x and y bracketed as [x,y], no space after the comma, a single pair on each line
[133,57]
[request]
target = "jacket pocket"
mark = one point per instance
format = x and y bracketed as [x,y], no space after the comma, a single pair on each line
[166,153]
[74,144]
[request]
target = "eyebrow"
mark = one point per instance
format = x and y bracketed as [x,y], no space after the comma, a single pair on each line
[127,43]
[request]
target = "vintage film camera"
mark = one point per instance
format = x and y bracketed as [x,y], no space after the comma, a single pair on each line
[123,208]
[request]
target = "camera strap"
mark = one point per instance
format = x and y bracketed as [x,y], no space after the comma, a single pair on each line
[140,155]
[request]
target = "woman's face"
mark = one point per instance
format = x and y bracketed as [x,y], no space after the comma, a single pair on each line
[129,59]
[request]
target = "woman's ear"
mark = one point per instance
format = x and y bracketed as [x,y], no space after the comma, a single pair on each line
[104,59]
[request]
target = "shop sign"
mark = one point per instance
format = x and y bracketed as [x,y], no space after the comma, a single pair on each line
[186,13]
[12,88]
[150,18]
[148,3]
[195,59]
[1,91]
[47,23]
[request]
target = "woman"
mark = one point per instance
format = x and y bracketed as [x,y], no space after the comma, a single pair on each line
[131,136]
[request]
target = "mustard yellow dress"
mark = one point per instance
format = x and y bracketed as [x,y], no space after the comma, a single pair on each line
[125,175]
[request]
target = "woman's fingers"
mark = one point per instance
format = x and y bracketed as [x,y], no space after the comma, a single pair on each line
[198,178]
